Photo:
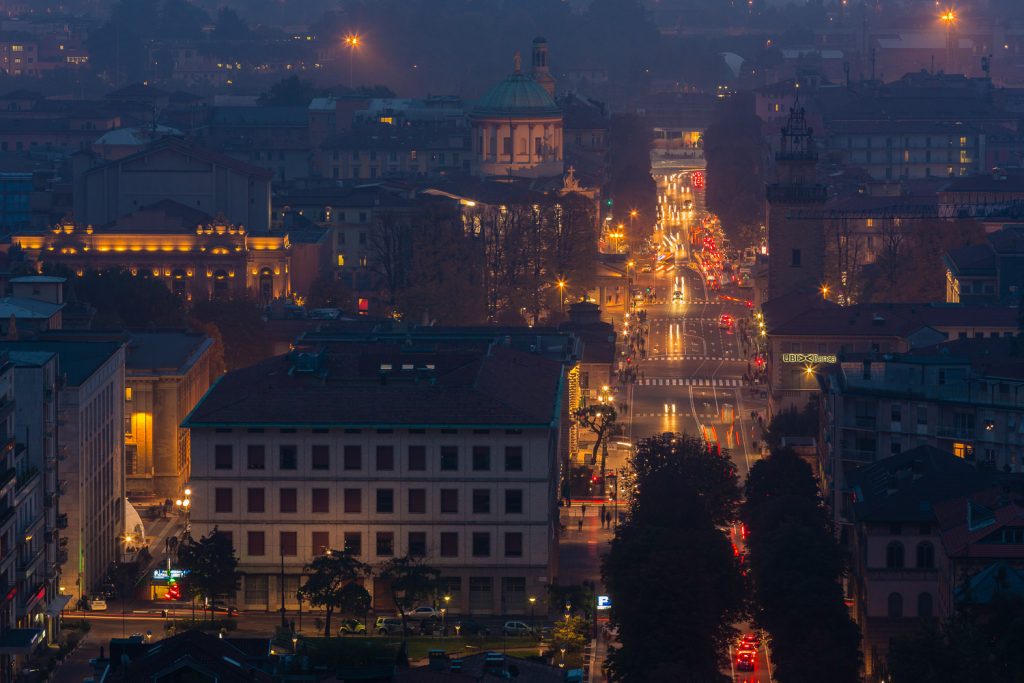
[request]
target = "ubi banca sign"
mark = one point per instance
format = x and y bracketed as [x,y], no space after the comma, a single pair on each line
[807,358]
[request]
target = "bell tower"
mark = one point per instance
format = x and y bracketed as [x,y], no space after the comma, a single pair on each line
[796,246]
[539,70]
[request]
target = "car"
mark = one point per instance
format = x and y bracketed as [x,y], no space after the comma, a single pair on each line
[351,626]
[96,604]
[725,322]
[746,661]
[751,638]
[424,612]
[517,628]
[391,626]
[468,627]
[677,296]
[646,268]
[229,610]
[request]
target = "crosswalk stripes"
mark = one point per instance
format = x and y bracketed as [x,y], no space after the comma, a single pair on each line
[677,357]
[690,382]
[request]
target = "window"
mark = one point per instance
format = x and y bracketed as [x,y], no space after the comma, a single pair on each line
[417,501]
[896,412]
[289,543]
[925,555]
[481,501]
[449,501]
[353,501]
[417,543]
[321,500]
[481,458]
[255,457]
[255,501]
[222,457]
[353,457]
[513,544]
[895,605]
[513,458]
[449,458]
[385,458]
[256,543]
[288,458]
[256,589]
[924,605]
[796,258]
[922,416]
[288,500]
[222,500]
[894,555]
[385,500]
[481,544]
[321,458]
[385,544]
[513,501]
[354,542]
[417,458]
[449,544]
[320,541]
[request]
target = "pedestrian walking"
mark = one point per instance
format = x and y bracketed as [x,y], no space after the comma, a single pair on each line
[579,524]
[583,512]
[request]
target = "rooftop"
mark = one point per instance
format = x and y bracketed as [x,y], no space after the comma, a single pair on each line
[27,309]
[517,95]
[79,360]
[168,351]
[888,320]
[353,384]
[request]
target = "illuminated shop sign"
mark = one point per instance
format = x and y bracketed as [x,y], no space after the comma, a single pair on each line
[807,358]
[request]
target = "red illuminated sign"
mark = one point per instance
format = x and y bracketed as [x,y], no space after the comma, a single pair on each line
[697,178]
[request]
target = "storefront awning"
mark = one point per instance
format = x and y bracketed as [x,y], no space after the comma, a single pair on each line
[20,641]
[57,605]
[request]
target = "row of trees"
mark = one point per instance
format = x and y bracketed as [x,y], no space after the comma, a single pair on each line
[795,567]
[333,580]
[674,580]
[495,263]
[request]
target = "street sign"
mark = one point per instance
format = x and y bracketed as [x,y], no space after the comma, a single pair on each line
[604,602]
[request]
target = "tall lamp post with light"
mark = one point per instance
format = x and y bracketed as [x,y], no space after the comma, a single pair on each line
[949,19]
[561,295]
[353,41]
[184,504]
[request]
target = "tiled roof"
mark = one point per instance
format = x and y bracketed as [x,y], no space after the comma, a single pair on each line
[890,320]
[346,385]
[907,486]
[972,257]
[966,521]
[188,149]
[77,359]
[164,351]
[213,658]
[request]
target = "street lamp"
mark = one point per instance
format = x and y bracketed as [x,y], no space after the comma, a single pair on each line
[824,291]
[533,602]
[633,213]
[561,295]
[353,41]
[949,18]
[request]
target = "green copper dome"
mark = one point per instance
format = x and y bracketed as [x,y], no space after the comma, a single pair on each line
[517,95]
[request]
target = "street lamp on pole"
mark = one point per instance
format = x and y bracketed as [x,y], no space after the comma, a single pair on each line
[949,18]
[633,213]
[561,295]
[353,41]
[533,602]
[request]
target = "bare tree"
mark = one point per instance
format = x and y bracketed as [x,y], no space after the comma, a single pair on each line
[389,250]
[844,249]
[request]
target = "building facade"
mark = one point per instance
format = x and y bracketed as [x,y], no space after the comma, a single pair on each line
[388,453]
[166,375]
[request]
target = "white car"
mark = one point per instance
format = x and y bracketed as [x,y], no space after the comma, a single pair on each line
[421,613]
[517,628]
[96,604]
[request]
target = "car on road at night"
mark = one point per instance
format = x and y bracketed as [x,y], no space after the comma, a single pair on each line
[677,296]
[468,627]
[351,626]
[517,628]
[424,612]
[391,626]
[725,322]
[96,604]
[746,661]
[751,639]
[646,268]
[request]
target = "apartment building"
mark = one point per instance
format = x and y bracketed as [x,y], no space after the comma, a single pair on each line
[89,447]
[443,450]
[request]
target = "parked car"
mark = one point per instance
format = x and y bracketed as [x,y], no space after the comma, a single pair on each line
[468,627]
[431,626]
[517,628]
[423,613]
[351,626]
[96,604]
[391,626]
[746,661]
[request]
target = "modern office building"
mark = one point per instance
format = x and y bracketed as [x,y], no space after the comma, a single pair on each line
[442,450]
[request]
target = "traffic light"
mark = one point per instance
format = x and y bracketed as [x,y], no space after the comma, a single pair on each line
[648,290]
[609,202]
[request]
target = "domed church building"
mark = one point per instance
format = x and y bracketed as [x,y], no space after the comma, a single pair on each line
[517,126]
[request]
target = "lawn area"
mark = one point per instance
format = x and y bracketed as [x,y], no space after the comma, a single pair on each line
[356,650]
[419,646]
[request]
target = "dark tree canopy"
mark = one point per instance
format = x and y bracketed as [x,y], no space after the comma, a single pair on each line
[212,566]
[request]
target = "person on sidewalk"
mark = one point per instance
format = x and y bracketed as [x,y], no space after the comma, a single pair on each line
[579,524]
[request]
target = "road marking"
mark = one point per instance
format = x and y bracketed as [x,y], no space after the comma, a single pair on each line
[693,357]
[690,382]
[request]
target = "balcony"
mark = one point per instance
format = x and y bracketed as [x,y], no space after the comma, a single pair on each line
[868,422]
[904,574]
[956,433]
[26,477]
[858,455]
[28,561]
[62,557]
[797,194]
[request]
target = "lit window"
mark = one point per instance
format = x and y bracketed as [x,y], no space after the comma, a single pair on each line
[341,260]
[963,142]
[17,48]
[959,449]
[127,393]
[386,119]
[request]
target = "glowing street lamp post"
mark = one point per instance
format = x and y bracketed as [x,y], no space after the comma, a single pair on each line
[353,41]
[561,295]
[949,18]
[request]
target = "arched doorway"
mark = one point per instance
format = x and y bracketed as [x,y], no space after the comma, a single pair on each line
[266,285]
[220,284]
[179,283]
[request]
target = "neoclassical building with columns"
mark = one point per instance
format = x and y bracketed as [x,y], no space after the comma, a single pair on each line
[198,256]
[517,126]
